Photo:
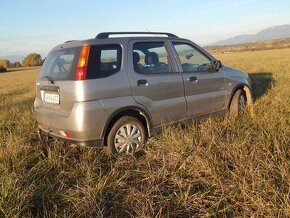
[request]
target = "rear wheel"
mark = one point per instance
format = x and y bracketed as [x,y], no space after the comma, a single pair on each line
[127,135]
[238,103]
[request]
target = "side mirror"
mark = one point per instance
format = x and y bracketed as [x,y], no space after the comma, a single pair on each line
[217,65]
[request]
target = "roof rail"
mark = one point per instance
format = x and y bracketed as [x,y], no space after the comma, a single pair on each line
[70,41]
[106,34]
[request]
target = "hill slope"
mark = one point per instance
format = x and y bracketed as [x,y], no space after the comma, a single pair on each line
[270,33]
[255,46]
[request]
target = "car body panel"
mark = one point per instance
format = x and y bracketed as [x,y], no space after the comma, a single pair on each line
[163,93]
[235,79]
[83,123]
[205,93]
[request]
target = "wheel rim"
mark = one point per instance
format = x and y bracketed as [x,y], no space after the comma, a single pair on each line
[242,102]
[128,139]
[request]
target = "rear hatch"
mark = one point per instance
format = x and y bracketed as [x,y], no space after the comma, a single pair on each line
[54,85]
[73,79]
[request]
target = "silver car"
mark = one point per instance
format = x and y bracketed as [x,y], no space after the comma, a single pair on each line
[118,91]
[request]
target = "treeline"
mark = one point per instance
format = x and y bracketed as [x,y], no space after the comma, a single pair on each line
[256,46]
[31,60]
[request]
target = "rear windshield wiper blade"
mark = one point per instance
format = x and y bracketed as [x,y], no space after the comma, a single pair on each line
[49,78]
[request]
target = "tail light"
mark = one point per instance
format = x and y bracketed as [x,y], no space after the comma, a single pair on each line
[41,126]
[82,66]
[65,134]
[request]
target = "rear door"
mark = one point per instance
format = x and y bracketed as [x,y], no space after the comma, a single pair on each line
[155,81]
[204,87]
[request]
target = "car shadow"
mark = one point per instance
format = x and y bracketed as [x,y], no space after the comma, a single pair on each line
[261,82]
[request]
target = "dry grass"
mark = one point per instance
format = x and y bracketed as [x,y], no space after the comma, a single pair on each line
[219,168]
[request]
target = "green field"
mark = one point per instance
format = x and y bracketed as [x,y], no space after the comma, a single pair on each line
[218,168]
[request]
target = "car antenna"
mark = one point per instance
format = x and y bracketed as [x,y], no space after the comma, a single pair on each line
[151,32]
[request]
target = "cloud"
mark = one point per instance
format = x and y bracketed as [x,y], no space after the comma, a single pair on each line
[213,6]
[219,6]
[277,16]
[23,44]
[4,45]
[3,27]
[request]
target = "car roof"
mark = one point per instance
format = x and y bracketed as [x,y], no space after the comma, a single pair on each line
[121,38]
[105,35]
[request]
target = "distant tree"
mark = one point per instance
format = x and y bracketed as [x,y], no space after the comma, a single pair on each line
[2,69]
[4,63]
[32,60]
[17,64]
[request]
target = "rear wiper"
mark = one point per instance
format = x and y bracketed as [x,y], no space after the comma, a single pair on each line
[50,79]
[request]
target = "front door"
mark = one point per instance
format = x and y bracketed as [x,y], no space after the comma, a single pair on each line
[204,87]
[155,81]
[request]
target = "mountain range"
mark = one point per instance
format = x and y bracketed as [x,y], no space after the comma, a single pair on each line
[270,33]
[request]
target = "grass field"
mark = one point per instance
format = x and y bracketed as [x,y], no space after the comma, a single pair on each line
[256,46]
[219,168]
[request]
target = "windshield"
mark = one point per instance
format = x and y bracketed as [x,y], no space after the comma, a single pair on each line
[60,64]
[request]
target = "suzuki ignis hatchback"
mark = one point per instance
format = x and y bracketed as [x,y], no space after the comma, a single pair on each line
[117,91]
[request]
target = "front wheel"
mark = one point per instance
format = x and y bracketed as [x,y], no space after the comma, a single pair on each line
[238,103]
[127,135]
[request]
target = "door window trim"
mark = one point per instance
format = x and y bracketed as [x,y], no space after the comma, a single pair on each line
[96,73]
[170,54]
[209,57]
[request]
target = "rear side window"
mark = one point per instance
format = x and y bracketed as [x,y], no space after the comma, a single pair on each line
[104,60]
[151,57]
[60,64]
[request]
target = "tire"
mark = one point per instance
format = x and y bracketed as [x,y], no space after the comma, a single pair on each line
[127,135]
[238,103]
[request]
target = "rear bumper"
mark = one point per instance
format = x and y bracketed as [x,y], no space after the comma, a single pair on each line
[84,123]
[86,143]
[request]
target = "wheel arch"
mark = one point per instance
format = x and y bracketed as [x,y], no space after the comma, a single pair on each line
[246,89]
[134,111]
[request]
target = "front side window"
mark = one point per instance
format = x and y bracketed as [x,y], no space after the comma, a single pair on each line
[151,57]
[191,59]
[104,60]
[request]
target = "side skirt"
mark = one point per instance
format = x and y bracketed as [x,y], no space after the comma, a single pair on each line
[157,130]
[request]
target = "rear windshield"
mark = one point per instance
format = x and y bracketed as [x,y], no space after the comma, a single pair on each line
[104,60]
[61,64]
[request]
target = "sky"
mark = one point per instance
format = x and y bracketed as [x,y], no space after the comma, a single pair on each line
[28,26]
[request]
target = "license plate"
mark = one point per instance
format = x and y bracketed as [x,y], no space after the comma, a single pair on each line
[51,98]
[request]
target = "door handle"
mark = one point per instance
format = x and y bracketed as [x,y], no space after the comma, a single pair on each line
[142,82]
[193,79]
